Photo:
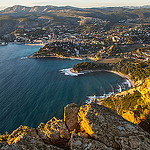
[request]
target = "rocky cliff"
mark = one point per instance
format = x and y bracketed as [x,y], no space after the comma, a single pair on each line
[89,127]
[132,104]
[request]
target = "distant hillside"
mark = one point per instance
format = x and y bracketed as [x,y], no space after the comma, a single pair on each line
[18,16]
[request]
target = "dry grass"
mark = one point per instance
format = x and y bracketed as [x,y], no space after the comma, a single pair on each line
[110,60]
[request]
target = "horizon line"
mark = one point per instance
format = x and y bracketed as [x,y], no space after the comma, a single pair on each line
[5,7]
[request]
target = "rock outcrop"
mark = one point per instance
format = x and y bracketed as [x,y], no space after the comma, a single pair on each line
[114,131]
[54,132]
[17,134]
[90,127]
[80,143]
[71,116]
[27,143]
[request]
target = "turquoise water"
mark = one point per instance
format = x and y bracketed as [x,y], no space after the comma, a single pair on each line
[33,90]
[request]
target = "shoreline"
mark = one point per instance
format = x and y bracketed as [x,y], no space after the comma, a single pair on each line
[88,71]
[115,72]
[130,83]
[85,71]
[59,57]
[35,44]
[122,75]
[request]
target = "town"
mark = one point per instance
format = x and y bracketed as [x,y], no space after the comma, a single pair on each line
[90,37]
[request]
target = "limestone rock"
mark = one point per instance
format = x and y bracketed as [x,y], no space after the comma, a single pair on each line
[6,146]
[83,134]
[27,143]
[145,124]
[105,126]
[54,132]
[70,116]
[80,143]
[20,132]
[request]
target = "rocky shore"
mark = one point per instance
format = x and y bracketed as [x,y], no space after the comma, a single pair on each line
[89,127]
[59,57]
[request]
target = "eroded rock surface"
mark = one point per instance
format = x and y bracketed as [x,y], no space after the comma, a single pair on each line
[70,116]
[80,143]
[20,132]
[6,146]
[54,132]
[105,126]
[93,127]
[27,143]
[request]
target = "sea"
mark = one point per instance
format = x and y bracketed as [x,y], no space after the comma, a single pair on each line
[34,90]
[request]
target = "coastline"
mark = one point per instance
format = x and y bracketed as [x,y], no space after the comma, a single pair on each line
[59,57]
[122,75]
[115,72]
[71,73]
[86,71]
[130,83]
[35,44]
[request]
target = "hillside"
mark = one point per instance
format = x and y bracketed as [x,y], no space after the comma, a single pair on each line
[18,17]
[133,104]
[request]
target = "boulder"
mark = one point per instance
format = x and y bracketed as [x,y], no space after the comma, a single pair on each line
[79,143]
[54,132]
[105,126]
[70,116]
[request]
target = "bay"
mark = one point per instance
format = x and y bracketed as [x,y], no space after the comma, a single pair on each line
[34,90]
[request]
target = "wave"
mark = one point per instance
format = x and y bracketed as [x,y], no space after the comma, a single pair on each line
[127,82]
[68,72]
[91,98]
[24,57]
[120,88]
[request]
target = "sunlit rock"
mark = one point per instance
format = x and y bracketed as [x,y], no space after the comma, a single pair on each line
[17,134]
[70,116]
[54,132]
[105,126]
[80,143]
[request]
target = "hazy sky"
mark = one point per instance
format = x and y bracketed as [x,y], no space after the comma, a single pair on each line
[77,3]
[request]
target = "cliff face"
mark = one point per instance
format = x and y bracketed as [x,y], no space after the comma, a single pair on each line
[133,104]
[90,126]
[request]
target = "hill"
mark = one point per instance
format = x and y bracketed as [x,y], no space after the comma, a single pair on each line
[49,15]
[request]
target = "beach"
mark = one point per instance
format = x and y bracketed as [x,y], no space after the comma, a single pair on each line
[123,76]
[69,72]
[128,81]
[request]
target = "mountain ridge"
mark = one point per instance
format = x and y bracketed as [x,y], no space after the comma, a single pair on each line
[17,8]
[33,17]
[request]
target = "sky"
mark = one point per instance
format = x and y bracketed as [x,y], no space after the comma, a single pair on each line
[76,3]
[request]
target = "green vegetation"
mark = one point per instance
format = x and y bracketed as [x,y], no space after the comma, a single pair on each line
[65,49]
[133,105]
[122,103]
[91,66]
[136,70]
